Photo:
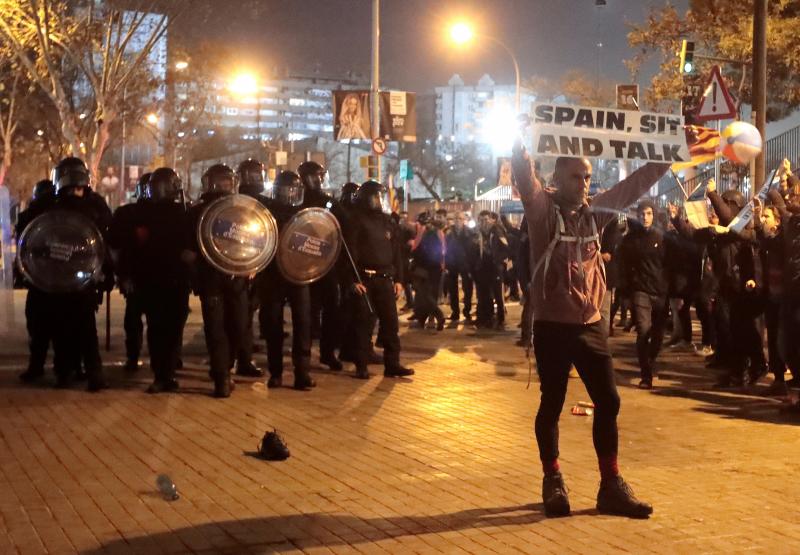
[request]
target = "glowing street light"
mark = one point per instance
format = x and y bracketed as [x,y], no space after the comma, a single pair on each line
[462,33]
[243,84]
[181,65]
[152,118]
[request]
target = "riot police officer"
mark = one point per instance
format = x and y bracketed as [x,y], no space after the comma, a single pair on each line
[76,336]
[374,244]
[120,236]
[37,317]
[325,293]
[251,183]
[223,298]
[158,272]
[275,291]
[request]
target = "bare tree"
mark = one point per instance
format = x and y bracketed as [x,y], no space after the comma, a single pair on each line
[86,57]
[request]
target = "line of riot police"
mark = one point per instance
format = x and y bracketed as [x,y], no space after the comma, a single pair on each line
[240,248]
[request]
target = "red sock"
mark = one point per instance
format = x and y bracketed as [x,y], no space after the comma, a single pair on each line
[550,467]
[608,466]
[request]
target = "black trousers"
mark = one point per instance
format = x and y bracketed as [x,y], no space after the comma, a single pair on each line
[650,315]
[381,296]
[134,328]
[225,324]
[772,319]
[76,336]
[789,332]
[704,306]
[165,309]
[489,287]
[245,354]
[558,347]
[326,303]
[748,344]
[722,323]
[452,288]
[427,300]
[273,295]
[40,325]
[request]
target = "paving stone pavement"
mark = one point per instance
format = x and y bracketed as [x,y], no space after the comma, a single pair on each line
[442,463]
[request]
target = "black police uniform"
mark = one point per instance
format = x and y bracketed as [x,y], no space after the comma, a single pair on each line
[76,334]
[121,238]
[244,358]
[374,244]
[160,281]
[39,318]
[224,304]
[274,291]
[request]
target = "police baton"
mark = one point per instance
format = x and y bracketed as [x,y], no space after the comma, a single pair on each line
[358,276]
[108,320]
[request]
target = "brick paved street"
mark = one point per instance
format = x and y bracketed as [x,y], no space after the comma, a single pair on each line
[443,463]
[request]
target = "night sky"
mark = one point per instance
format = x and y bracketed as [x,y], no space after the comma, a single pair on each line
[333,36]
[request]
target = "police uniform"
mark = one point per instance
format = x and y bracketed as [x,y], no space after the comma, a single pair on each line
[374,244]
[274,291]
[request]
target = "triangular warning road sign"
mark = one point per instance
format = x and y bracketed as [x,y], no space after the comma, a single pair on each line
[716,102]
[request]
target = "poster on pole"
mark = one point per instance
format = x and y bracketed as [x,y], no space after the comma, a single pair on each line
[609,134]
[351,115]
[399,116]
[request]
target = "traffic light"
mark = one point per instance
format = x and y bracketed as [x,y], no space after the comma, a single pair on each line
[687,57]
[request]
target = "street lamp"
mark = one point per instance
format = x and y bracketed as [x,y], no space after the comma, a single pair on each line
[152,118]
[462,33]
[181,65]
[245,85]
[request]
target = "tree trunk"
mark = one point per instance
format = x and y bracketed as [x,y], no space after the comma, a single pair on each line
[6,163]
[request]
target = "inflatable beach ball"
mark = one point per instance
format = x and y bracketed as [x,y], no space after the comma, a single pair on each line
[740,142]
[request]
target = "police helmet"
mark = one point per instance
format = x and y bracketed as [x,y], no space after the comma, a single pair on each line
[371,196]
[219,178]
[44,189]
[348,194]
[71,172]
[251,177]
[312,174]
[164,185]
[288,189]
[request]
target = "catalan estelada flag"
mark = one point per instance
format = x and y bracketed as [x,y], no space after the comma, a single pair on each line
[394,203]
[704,150]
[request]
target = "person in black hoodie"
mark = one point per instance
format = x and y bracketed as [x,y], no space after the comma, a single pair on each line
[428,260]
[489,255]
[458,241]
[643,254]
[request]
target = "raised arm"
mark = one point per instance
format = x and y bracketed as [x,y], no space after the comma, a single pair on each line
[530,189]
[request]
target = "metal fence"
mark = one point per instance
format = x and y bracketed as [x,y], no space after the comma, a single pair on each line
[785,145]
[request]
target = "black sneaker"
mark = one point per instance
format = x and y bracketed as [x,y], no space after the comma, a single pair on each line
[646,383]
[223,387]
[756,373]
[132,365]
[163,386]
[249,370]
[275,381]
[303,381]
[31,375]
[398,372]
[362,374]
[331,362]
[615,497]
[554,495]
[454,317]
[273,448]
[96,383]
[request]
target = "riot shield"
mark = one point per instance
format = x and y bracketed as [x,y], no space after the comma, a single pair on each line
[237,235]
[309,246]
[61,252]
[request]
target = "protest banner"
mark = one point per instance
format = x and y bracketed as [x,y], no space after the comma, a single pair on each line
[606,133]
[697,213]
[740,221]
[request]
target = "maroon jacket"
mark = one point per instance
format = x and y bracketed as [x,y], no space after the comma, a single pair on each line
[562,290]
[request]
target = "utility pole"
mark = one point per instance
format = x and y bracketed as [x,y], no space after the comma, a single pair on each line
[376,75]
[759,85]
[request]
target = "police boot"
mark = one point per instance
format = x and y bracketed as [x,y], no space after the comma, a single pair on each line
[223,386]
[96,382]
[362,373]
[275,379]
[31,375]
[303,381]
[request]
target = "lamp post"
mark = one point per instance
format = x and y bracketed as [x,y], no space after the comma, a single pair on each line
[462,33]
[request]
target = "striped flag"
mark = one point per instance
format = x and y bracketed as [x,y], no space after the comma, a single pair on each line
[705,149]
[394,203]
